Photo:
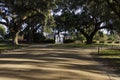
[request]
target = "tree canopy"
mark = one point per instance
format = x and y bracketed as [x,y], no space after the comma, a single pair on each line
[88,17]
[21,11]
[83,16]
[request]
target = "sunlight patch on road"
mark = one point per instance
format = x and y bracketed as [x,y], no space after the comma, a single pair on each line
[16,59]
[9,78]
[28,67]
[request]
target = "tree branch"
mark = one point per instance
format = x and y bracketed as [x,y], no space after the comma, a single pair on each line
[3,23]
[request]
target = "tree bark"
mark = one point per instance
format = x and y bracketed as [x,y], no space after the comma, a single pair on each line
[77,35]
[89,39]
[30,35]
[15,38]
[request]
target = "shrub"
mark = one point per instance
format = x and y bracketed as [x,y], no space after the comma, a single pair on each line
[94,41]
[38,38]
[102,42]
[69,41]
[49,41]
[109,41]
[117,42]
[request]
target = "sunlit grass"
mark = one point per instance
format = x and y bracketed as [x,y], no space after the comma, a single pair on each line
[76,45]
[111,52]
[4,46]
[112,57]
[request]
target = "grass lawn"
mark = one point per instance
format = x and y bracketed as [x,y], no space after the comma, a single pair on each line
[77,45]
[4,46]
[111,57]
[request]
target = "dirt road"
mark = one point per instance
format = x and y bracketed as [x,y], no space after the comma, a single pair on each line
[42,63]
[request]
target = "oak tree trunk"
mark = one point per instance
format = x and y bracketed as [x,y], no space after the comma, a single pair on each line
[89,40]
[15,38]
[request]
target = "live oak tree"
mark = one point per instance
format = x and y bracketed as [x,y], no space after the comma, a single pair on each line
[84,16]
[88,16]
[94,17]
[33,26]
[23,10]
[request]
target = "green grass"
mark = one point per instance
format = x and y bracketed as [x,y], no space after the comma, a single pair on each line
[112,57]
[76,45]
[4,46]
[112,52]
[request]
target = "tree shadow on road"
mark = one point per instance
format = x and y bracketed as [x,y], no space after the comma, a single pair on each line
[47,64]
